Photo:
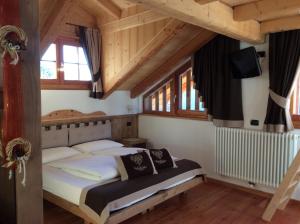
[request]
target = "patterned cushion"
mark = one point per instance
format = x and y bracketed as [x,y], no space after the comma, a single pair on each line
[162,158]
[135,165]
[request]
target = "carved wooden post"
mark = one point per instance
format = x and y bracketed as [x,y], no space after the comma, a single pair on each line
[21,116]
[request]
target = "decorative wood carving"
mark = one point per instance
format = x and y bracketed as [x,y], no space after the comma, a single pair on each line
[123,126]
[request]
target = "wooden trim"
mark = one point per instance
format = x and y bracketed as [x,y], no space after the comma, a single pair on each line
[128,212]
[187,115]
[60,83]
[66,85]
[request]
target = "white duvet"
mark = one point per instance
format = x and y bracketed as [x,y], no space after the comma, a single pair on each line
[94,167]
[97,166]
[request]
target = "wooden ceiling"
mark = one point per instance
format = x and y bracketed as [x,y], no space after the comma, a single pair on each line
[143,40]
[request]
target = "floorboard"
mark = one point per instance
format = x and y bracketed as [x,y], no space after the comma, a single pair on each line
[210,203]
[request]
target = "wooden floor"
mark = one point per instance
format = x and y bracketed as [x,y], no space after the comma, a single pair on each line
[209,203]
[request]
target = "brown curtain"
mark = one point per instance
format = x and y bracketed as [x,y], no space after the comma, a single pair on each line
[284,51]
[222,95]
[90,40]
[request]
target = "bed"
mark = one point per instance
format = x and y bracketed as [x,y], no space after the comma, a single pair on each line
[75,154]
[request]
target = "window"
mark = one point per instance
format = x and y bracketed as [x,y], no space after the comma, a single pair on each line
[163,100]
[64,66]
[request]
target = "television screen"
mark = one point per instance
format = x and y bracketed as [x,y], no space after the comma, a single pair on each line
[245,63]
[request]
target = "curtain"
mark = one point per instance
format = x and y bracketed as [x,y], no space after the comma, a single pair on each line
[90,40]
[221,94]
[284,53]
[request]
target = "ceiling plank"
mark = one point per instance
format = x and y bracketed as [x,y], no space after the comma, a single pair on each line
[176,59]
[53,23]
[215,16]
[283,24]
[139,19]
[266,10]
[168,32]
[104,5]
[204,1]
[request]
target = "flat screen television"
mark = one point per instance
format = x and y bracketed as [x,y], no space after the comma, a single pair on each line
[245,63]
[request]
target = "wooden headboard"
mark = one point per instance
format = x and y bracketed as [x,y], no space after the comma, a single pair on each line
[71,116]
[123,126]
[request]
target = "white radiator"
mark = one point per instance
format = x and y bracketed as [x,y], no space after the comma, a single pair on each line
[254,156]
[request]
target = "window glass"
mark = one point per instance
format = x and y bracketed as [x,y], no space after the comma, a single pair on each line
[48,63]
[168,97]
[160,100]
[183,92]
[153,103]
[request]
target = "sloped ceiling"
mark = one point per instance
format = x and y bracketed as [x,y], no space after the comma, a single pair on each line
[144,37]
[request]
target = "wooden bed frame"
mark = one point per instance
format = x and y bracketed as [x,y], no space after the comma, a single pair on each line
[72,116]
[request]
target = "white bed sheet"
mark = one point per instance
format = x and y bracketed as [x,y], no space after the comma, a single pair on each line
[70,187]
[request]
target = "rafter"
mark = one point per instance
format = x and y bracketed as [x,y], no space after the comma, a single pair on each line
[283,24]
[214,16]
[53,23]
[139,19]
[266,10]
[179,57]
[205,1]
[151,48]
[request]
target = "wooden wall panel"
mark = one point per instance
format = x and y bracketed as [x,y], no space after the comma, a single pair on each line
[120,47]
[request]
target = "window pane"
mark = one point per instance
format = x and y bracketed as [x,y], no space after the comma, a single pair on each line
[183,92]
[201,105]
[70,54]
[50,54]
[193,97]
[82,58]
[160,100]
[168,98]
[84,73]
[71,71]
[48,70]
[153,103]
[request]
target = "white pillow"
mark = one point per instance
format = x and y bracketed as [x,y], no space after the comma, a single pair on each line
[53,154]
[97,146]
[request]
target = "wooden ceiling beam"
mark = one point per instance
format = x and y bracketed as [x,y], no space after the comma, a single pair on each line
[266,10]
[167,33]
[178,58]
[55,20]
[138,19]
[215,16]
[283,24]
[204,1]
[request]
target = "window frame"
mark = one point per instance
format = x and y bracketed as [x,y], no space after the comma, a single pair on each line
[174,79]
[60,83]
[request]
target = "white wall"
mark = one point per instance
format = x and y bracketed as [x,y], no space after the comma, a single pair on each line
[195,139]
[116,104]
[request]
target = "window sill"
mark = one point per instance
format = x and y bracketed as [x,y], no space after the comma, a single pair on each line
[186,115]
[72,85]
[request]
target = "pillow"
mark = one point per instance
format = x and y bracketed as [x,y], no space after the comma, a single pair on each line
[97,146]
[53,154]
[135,165]
[162,159]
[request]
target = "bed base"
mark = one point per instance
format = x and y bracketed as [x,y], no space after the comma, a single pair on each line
[130,211]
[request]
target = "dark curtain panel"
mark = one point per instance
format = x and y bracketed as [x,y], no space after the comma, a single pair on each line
[284,51]
[222,95]
[90,40]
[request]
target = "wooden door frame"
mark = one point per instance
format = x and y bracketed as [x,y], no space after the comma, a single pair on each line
[24,204]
